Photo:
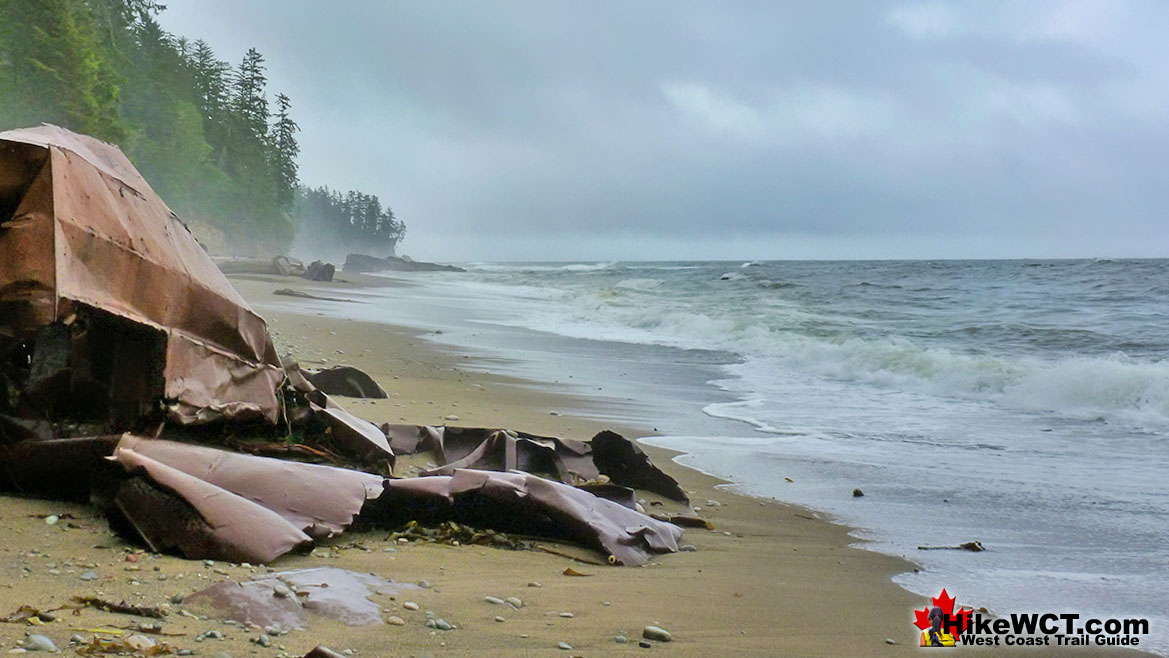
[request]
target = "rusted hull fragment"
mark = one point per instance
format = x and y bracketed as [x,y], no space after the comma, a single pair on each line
[572,462]
[209,503]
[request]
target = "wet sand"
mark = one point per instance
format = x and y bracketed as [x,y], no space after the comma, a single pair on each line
[770,580]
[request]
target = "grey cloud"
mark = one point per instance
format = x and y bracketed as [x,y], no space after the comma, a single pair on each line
[670,129]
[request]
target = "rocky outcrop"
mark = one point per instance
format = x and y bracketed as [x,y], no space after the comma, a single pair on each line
[364,263]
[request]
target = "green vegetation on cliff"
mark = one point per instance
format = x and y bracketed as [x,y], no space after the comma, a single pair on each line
[200,130]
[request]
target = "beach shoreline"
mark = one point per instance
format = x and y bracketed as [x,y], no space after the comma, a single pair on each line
[771,579]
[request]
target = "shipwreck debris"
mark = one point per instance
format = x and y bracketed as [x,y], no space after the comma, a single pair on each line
[115,295]
[582,463]
[128,363]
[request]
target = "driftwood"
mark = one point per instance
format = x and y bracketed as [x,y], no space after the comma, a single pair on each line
[972,546]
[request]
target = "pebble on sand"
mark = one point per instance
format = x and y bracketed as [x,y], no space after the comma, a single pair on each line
[656,633]
[37,642]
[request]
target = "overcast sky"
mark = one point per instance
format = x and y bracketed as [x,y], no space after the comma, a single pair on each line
[683,130]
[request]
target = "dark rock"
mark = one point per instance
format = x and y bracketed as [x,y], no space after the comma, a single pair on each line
[347,381]
[319,271]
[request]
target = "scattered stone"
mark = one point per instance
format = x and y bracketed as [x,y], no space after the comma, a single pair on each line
[424,584]
[208,563]
[566,615]
[410,605]
[857,493]
[177,598]
[263,640]
[281,591]
[442,625]
[564,646]
[450,417]
[687,548]
[37,642]
[394,620]
[494,599]
[500,619]
[46,617]
[209,635]
[77,638]
[621,639]
[514,602]
[430,623]
[534,583]
[89,575]
[139,643]
[656,633]
[890,640]
[52,519]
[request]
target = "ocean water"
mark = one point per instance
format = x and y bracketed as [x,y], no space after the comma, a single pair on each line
[1023,404]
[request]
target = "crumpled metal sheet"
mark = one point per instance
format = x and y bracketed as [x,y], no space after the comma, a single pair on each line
[173,510]
[88,231]
[210,503]
[566,460]
[319,500]
[356,436]
[525,503]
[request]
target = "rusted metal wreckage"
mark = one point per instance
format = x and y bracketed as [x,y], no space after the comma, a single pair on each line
[129,365]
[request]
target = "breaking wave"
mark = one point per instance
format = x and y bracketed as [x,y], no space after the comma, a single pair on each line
[777,334]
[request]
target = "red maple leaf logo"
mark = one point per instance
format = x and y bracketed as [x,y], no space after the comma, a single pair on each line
[946,603]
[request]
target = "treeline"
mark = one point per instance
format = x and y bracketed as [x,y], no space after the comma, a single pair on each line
[200,130]
[353,221]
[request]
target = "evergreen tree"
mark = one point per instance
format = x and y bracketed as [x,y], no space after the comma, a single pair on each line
[197,129]
[55,70]
[284,150]
[249,101]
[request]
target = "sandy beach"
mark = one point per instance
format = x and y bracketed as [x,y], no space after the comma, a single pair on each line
[770,579]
